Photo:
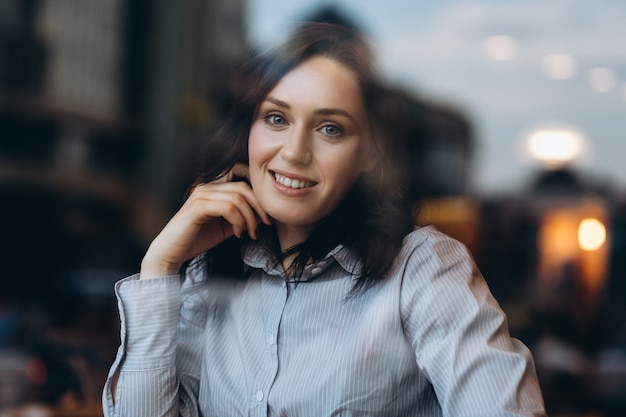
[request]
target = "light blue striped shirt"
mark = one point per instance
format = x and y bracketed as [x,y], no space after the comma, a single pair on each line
[428,341]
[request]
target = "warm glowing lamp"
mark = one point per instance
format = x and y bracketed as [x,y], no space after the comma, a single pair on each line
[591,234]
[555,147]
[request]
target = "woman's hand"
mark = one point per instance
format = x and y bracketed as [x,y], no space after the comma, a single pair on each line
[212,213]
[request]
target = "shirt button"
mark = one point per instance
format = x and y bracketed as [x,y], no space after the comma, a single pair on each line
[270,339]
[259,395]
[316,270]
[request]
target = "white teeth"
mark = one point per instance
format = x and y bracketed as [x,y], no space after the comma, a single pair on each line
[291,183]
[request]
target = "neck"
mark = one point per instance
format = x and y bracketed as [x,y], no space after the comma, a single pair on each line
[288,237]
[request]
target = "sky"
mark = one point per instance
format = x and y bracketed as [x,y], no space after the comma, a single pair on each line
[511,67]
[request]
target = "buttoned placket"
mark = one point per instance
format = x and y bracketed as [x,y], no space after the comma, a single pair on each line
[275,293]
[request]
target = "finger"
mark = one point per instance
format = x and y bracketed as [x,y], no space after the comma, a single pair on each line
[235,202]
[232,217]
[241,171]
[255,204]
[245,189]
[231,207]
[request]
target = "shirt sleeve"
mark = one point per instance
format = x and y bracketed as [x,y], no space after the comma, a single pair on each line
[144,374]
[461,337]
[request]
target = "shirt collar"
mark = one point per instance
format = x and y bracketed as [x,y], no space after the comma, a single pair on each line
[257,255]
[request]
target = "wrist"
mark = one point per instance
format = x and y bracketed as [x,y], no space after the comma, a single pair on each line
[156,268]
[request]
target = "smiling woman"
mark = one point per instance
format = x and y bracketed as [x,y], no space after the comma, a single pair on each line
[299,140]
[340,306]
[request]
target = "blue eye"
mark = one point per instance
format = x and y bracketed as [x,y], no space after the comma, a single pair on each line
[332,130]
[275,119]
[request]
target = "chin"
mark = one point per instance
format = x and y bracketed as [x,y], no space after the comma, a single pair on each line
[295,218]
[291,220]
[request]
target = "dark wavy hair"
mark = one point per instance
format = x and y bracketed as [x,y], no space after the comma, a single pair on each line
[375,215]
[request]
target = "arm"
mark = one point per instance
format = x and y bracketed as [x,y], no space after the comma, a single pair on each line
[142,380]
[461,338]
[212,213]
[154,374]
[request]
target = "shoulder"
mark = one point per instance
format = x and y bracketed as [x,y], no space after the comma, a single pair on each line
[433,267]
[429,244]
[439,280]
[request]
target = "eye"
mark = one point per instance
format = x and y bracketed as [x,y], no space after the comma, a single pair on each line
[332,130]
[274,119]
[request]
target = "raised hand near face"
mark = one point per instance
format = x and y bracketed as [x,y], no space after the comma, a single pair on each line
[212,213]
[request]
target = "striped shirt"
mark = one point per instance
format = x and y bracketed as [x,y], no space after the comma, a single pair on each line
[430,340]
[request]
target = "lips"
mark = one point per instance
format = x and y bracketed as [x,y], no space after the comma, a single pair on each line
[294,183]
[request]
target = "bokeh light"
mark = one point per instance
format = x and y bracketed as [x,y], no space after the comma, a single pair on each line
[559,66]
[555,146]
[591,234]
[500,48]
[601,79]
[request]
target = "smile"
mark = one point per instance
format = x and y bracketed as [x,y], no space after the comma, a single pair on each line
[292,182]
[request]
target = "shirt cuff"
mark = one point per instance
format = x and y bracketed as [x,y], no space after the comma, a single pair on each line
[149,314]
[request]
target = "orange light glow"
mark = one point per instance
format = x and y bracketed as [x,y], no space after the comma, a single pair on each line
[573,244]
[591,234]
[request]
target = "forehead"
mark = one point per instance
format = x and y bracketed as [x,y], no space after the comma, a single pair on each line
[320,82]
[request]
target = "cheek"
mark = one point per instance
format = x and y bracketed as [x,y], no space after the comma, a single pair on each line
[345,171]
[354,162]
[259,152]
[255,149]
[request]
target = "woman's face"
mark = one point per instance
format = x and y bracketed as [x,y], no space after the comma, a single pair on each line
[308,144]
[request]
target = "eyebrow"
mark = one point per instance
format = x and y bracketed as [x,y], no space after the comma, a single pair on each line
[323,111]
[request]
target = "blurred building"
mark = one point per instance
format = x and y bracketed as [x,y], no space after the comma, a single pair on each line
[102,110]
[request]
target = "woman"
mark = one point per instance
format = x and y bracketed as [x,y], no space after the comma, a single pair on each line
[338,307]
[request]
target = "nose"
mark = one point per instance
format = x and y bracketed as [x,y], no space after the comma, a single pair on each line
[296,147]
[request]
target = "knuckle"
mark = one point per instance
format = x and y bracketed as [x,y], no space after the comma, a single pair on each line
[239,199]
[230,208]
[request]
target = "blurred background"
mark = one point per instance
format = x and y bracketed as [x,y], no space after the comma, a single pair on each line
[520,106]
